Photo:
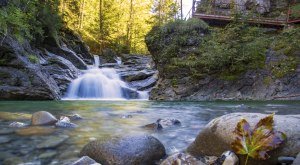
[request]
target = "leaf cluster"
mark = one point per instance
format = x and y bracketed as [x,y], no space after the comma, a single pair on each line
[255,143]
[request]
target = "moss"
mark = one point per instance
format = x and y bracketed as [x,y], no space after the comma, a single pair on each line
[33,58]
[174,82]
[285,66]
[267,80]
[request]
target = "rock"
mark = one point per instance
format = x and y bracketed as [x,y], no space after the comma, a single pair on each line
[125,150]
[85,160]
[52,142]
[17,125]
[4,139]
[43,118]
[162,124]
[75,117]
[35,130]
[297,160]
[219,134]
[126,116]
[40,72]
[6,131]
[153,126]
[47,155]
[182,159]
[64,122]
[285,160]
[8,116]
[168,122]
[227,158]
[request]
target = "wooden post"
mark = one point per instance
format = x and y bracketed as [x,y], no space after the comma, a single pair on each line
[193,8]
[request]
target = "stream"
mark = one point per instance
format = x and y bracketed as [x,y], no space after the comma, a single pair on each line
[105,119]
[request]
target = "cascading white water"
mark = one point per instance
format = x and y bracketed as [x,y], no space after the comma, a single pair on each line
[104,83]
[97,61]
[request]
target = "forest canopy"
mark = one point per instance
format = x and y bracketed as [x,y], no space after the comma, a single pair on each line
[120,25]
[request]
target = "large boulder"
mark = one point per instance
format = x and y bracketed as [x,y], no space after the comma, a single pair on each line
[43,118]
[218,135]
[125,151]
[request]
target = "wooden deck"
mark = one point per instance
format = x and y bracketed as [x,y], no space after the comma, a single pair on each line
[216,17]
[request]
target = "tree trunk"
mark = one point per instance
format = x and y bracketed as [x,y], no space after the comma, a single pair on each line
[101,38]
[129,27]
[81,14]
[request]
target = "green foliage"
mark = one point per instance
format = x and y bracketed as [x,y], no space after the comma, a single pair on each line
[234,49]
[28,19]
[295,11]
[287,42]
[169,39]
[257,142]
[283,67]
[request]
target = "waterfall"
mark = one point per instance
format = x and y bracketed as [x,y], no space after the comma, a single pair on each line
[118,60]
[97,61]
[104,83]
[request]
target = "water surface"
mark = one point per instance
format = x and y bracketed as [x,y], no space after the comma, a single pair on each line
[104,119]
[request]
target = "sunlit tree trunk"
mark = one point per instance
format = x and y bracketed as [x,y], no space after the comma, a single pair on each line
[129,26]
[101,21]
[81,14]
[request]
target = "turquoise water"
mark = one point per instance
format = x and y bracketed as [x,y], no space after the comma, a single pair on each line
[104,119]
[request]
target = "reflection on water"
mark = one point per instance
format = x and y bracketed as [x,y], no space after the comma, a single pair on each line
[104,119]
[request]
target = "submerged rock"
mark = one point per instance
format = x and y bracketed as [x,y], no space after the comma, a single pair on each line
[162,124]
[43,118]
[13,161]
[35,130]
[17,125]
[4,139]
[125,150]
[52,141]
[64,122]
[219,134]
[47,155]
[6,131]
[8,116]
[182,159]
[75,117]
[85,160]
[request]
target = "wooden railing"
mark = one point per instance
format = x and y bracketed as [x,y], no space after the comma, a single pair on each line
[225,11]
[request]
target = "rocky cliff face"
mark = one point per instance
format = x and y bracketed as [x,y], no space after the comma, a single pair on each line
[42,72]
[187,82]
